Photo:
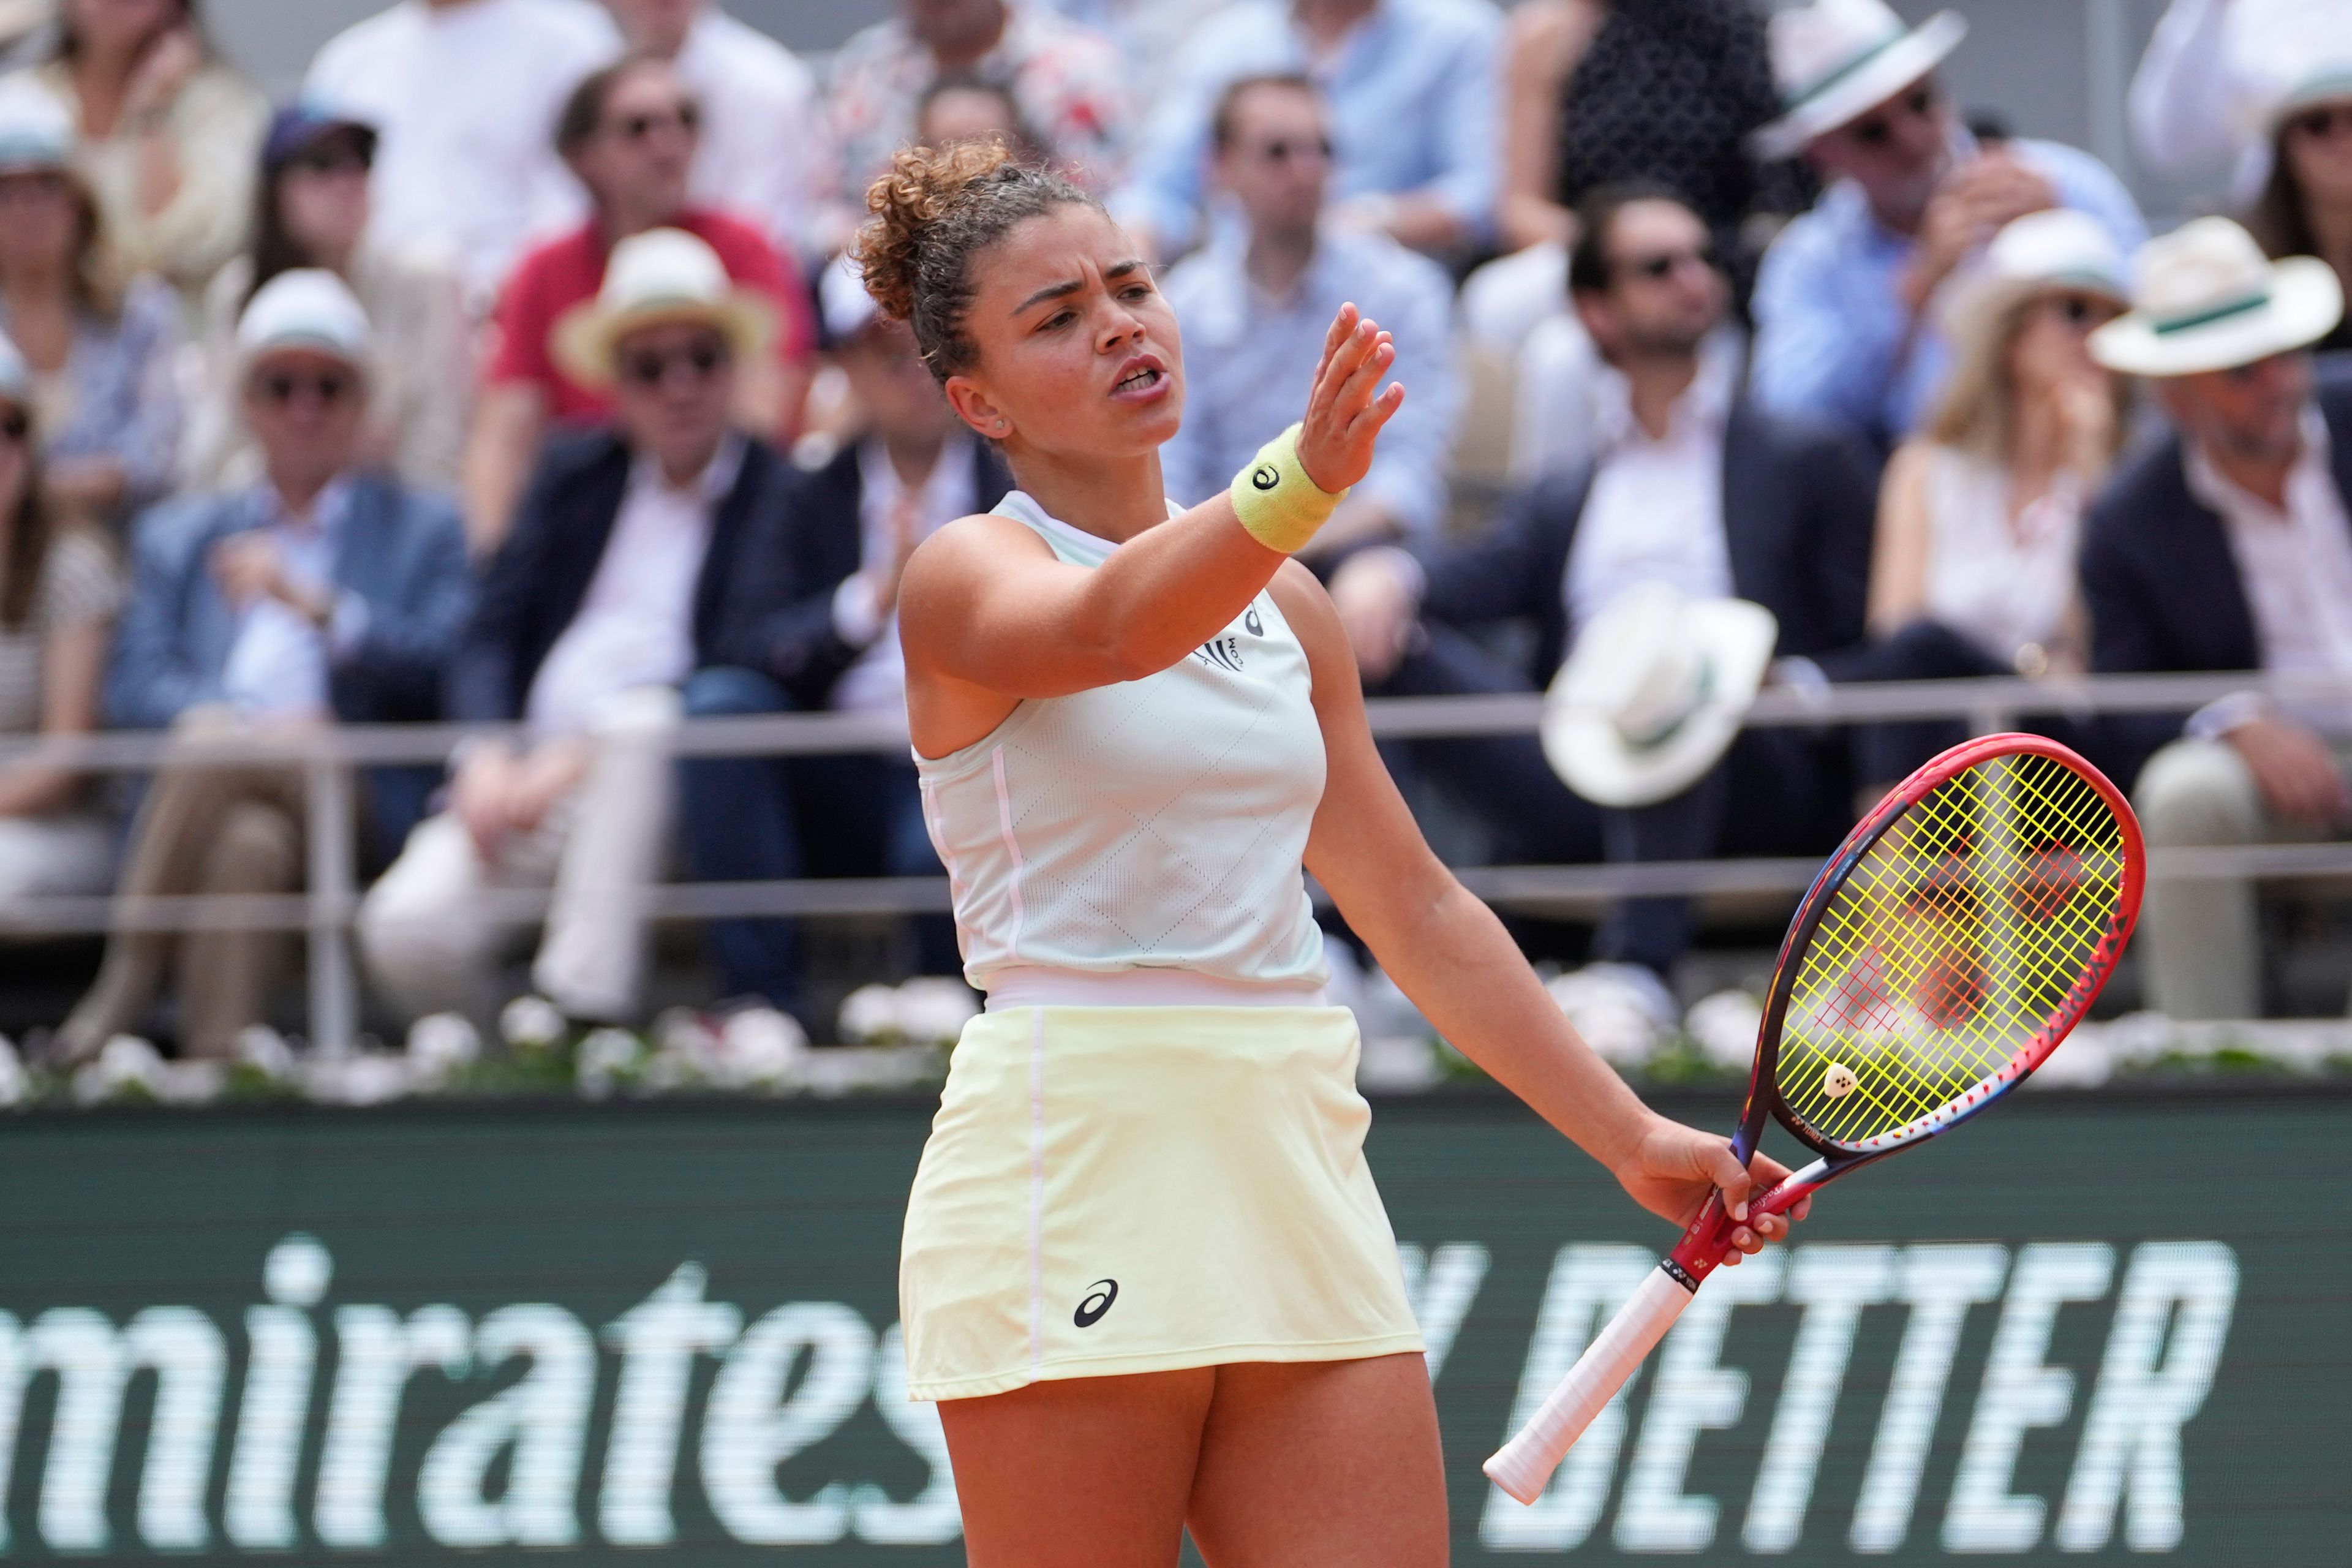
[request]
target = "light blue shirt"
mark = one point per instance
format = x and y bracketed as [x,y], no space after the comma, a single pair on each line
[1831,327]
[279,664]
[1413,93]
[1249,361]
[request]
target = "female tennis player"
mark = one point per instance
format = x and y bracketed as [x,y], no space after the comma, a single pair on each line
[1144,1271]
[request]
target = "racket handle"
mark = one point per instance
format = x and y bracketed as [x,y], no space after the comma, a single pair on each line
[1523,1466]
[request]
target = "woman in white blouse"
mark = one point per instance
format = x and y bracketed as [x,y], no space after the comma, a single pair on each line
[1980,516]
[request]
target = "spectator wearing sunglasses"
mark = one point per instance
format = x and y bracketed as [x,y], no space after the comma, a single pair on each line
[629,132]
[2306,207]
[1256,304]
[2212,69]
[1694,487]
[610,591]
[321,593]
[102,352]
[1845,299]
[311,209]
[1980,517]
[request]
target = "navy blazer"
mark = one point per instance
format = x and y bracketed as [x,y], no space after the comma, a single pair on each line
[2162,585]
[403,552]
[780,619]
[540,577]
[1799,504]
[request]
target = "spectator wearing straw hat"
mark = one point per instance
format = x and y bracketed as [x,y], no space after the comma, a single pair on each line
[608,593]
[629,131]
[323,593]
[2305,205]
[813,627]
[2227,547]
[2199,98]
[1845,298]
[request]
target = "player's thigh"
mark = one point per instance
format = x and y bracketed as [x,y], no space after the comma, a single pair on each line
[1321,1462]
[1089,1472]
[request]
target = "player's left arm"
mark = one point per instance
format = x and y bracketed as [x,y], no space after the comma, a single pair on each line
[1447,951]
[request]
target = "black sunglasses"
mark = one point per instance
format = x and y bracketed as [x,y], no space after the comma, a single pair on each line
[1282,150]
[686,116]
[330,158]
[285,386]
[14,426]
[651,367]
[2322,121]
[1661,265]
[2082,311]
[1875,130]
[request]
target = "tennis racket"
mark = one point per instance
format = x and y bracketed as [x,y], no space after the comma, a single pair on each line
[1962,929]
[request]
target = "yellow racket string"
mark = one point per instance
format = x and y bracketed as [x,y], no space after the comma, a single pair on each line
[1949,946]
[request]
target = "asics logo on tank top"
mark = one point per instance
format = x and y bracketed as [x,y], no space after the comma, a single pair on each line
[1100,1295]
[1226,652]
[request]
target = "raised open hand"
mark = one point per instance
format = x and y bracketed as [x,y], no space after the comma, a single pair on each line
[1347,407]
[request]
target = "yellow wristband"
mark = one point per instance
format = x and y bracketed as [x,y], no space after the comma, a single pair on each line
[1275,501]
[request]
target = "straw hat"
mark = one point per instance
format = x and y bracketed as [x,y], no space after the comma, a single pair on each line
[1834,60]
[1654,692]
[305,309]
[2207,299]
[654,279]
[2039,253]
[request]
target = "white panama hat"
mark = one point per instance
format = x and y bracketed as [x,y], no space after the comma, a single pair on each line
[2326,77]
[654,279]
[1654,693]
[35,131]
[305,309]
[1833,60]
[2037,254]
[2207,299]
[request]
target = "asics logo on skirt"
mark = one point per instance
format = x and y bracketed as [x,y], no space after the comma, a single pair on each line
[1100,1295]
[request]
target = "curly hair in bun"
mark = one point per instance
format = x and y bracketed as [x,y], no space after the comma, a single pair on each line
[934,212]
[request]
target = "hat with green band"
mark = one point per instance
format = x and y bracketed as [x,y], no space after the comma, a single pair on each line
[1835,60]
[2206,299]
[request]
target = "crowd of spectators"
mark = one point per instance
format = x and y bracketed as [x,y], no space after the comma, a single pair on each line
[511,372]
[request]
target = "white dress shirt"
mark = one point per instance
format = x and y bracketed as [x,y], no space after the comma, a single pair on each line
[278,666]
[2296,568]
[876,683]
[635,627]
[465,99]
[767,151]
[1654,511]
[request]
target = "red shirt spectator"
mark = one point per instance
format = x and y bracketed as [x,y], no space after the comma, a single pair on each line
[568,271]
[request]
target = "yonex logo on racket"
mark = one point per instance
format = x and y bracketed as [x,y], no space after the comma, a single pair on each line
[1100,1295]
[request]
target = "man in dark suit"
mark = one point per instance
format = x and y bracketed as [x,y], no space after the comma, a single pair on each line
[2227,546]
[1693,487]
[608,594]
[813,628]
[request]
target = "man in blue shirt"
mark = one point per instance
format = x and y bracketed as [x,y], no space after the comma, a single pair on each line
[1845,303]
[1254,307]
[1413,89]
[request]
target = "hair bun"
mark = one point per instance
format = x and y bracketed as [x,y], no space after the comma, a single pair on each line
[922,186]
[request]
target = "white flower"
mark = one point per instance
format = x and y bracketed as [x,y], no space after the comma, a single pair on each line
[441,1045]
[197,1082]
[683,1030]
[125,1060]
[13,1083]
[370,1078]
[869,1013]
[1724,1027]
[605,1055]
[264,1050]
[530,1023]
[761,1045]
[933,1009]
[1622,1010]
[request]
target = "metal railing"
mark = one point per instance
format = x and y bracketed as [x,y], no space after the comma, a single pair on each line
[328,755]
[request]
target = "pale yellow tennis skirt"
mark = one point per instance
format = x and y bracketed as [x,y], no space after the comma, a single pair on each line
[1123,1189]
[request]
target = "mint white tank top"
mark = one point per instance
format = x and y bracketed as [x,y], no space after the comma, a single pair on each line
[1154,824]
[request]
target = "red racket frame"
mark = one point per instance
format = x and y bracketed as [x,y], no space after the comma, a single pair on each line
[1708,1241]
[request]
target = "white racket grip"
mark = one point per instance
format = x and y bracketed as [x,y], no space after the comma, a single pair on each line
[1523,1466]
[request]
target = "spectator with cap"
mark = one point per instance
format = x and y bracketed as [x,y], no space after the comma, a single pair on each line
[1695,490]
[1066,78]
[312,210]
[101,352]
[2211,68]
[767,151]
[167,133]
[2228,546]
[1411,86]
[321,593]
[629,132]
[813,627]
[1256,304]
[609,590]
[58,595]
[1845,298]
[2305,206]
[465,94]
